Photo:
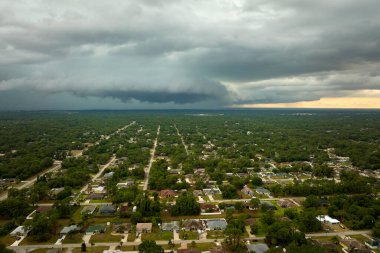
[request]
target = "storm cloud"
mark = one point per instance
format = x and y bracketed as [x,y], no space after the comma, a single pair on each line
[187,53]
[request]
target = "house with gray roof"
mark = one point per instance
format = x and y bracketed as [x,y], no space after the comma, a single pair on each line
[107,210]
[263,191]
[258,248]
[97,228]
[88,209]
[216,224]
[20,231]
[170,226]
[69,229]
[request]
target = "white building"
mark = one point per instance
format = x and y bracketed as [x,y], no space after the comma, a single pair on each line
[327,219]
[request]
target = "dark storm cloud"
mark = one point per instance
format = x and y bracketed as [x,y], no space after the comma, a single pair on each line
[191,52]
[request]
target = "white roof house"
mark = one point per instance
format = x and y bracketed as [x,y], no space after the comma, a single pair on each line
[69,229]
[20,231]
[327,219]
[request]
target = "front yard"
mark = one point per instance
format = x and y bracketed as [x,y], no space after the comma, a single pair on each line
[215,234]
[105,237]
[158,236]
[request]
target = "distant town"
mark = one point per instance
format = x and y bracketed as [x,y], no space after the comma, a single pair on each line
[187,182]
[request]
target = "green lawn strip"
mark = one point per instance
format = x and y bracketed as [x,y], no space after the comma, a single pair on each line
[158,236]
[7,240]
[188,235]
[73,238]
[215,234]
[38,251]
[105,237]
[30,241]
[204,246]
[95,249]
[131,237]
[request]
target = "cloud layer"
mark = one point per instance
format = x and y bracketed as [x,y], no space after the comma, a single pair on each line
[198,53]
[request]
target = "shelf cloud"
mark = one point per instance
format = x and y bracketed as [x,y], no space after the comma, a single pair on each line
[186,54]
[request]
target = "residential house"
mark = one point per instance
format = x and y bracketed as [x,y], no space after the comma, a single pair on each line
[257,248]
[97,189]
[325,244]
[170,226]
[285,203]
[119,227]
[247,191]
[143,228]
[167,193]
[69,229]
[20,231]
[373,243]
[107,210]
[174,171]
[263,191]
[327,219]
[108,175]
[351,245]
[125,185]
[268,204]
[188,250]
[193,225]
[216,224]
[212,191]
[88,210]
[96,196]
[209,208]
[197,193]
[43,209]
[94,229]
[55,191]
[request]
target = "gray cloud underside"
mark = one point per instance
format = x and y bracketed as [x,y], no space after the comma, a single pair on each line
[191,52]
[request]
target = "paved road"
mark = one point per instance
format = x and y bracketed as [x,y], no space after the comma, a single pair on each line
[105,137]
[32,180]
[97,175]
[214,201]
[183,142]
[25,248]
[147,169]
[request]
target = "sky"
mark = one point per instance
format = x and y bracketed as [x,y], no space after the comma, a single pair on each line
[166,54]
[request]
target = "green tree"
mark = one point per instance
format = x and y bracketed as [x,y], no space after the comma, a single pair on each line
[282,233]
[150,246]
[186,204]
[234,231]
[376,229]
[308,222]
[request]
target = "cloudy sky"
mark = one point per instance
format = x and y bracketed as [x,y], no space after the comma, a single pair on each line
[189,54]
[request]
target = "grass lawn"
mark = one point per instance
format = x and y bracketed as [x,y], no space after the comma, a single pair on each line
[29,240]
[262,229]
[105,237]
[95,249]
[215,234]
[129,248]
[7,240]
[188,235]
[167,247]
[204,246]
[38,251]
[217,196]
[131,237]
[73,238]
[99,201]
[360,238]
[158,236]
[77,217]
